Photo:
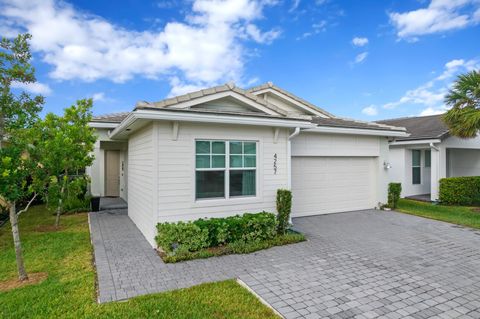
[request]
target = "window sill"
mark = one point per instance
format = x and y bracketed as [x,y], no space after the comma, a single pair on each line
[227,201]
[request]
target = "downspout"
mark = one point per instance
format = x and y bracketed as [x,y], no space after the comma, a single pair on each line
[289,163]
[437,173]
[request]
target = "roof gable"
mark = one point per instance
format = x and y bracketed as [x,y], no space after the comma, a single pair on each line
[223,98]
[288,101]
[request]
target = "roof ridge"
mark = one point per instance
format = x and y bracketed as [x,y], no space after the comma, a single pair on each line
[409,117]
[373,123]
[289,94]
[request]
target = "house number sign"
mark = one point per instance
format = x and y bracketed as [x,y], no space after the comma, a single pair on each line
[275,163]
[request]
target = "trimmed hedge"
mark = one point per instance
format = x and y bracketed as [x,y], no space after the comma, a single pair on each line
[394,191]
[184,237]
[284,208]
[460,190]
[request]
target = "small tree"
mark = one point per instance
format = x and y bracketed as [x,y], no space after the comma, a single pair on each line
[463,119]
[65,146]
[17,115]
[284,208]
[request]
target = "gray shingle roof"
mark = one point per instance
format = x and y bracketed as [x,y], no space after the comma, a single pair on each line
[110,118]
[348,123]
[270,85]
[421,127]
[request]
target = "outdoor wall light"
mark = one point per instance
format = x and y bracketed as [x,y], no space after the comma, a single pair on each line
[387,165]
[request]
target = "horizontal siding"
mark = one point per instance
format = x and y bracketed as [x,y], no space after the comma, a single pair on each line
[176,176]
[140,181]
[319,144]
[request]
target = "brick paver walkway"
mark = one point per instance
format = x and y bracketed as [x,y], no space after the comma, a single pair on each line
[364,264]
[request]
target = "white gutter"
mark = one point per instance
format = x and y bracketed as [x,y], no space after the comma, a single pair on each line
[416,142]
[289,162]
[205,118]
[289,156]
[434,147]
[103,124]
[356,131]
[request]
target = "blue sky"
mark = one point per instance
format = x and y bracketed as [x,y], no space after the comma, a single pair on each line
[358,59]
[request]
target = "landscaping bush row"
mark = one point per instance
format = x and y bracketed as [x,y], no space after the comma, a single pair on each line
[182,237]
[460,190]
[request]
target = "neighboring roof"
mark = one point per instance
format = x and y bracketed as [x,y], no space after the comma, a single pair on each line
[348,123]
[420,127]
[111,117]
[270,85]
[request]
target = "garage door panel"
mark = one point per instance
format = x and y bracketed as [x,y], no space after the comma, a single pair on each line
[323,185]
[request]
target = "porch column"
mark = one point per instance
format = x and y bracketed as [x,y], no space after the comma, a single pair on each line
[438,169]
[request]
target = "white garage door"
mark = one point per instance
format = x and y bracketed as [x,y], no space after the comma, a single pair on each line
[322,185]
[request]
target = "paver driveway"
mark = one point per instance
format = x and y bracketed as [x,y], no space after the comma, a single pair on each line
[364,264]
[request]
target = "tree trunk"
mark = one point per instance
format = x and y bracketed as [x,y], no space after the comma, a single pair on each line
[59,208]
[22,273]
[2,128]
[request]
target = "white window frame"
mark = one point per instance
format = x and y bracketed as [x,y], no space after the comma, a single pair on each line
[419,166]
[226,169]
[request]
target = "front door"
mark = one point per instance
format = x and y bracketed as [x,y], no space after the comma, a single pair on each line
[112,173]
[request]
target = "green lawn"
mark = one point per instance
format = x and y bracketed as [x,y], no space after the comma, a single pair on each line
[465,216]
[69,291]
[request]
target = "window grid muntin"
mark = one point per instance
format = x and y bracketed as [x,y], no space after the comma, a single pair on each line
[227,167]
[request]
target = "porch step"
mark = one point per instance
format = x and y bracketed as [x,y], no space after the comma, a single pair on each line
[112,203]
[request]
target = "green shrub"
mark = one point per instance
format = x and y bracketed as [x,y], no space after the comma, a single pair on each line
[460,190]
[394,191]
[181,237]
[284,208]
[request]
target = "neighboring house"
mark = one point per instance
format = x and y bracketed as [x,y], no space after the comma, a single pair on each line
[420,160]
[224,151]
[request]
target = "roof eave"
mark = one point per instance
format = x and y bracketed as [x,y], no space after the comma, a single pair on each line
[356,131]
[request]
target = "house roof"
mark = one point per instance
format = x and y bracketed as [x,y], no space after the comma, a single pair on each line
[207,92]
[420,127]
[262,108]
[270,85]
[111,117]
[349,123]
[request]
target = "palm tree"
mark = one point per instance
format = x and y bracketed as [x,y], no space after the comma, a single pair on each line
[463,119]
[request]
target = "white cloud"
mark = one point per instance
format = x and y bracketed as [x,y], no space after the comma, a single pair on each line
[207,48]
[100,96]
[295,4]
[370,110]
[439,16]
[431,94]
[432,111]
[318,27]
[361,57]
[34,88]
[359,42]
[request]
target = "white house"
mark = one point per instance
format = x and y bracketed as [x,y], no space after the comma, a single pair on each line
[420,160]
[224,150]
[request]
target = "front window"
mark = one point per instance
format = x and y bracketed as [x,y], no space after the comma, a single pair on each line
[428,158]
[416,166]
[225,169]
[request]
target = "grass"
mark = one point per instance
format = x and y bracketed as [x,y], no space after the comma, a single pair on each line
[236,248]
[465,216]
[69,290]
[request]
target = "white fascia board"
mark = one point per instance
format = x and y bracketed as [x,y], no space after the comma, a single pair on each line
[103,125]
[291,100]
[415,142]
[356,131]
[205,118]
